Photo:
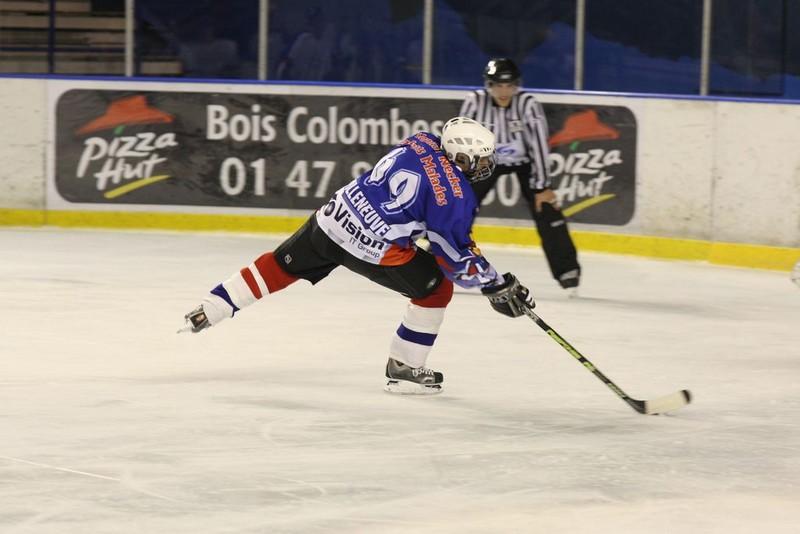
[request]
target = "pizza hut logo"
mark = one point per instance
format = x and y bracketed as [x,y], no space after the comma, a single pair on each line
[123,163]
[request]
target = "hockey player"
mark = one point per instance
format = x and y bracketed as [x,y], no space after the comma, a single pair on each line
[420,188]
[520,127]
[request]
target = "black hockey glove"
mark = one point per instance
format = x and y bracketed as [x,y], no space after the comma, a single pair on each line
[509,298]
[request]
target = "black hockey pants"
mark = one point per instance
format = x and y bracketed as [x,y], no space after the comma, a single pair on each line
[310,254]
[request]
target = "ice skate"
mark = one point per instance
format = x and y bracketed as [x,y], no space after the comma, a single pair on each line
[400,378]
[196,320]
[570,279]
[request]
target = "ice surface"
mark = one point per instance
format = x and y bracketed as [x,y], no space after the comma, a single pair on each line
[276,421]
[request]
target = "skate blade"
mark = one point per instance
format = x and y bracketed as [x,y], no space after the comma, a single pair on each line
[572,293]
[185,328]
[404,387]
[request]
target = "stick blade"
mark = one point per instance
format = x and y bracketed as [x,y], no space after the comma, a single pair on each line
[667,403]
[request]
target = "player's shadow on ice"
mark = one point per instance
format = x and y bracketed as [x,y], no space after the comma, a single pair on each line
[683,309]
[679,308]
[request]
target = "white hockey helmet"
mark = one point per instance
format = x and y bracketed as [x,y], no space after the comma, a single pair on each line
[465,141]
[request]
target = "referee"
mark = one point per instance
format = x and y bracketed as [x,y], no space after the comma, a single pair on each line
[520,128]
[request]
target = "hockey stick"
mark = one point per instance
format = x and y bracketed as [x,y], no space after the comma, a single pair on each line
[664,404]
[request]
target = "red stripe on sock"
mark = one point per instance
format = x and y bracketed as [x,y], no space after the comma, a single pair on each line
[439,298]
[275,277]
[251,282]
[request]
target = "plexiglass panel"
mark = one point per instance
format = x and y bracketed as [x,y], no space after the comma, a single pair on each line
[346,40]
[749,48]
[197,38]
[539,35]
[651,46]
[62,37]
[637,46]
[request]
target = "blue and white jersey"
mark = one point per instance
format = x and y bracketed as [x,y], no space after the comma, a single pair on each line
[413,191]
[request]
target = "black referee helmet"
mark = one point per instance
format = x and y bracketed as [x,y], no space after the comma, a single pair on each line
[501,70]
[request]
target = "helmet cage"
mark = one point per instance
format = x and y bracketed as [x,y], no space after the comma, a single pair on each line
[478,167]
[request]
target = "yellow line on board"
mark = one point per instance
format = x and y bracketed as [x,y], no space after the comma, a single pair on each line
[588,203]
[9,217]
[174,221]
[737,254]
[132,186]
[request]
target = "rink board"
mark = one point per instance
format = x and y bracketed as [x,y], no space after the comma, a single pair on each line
[662,177]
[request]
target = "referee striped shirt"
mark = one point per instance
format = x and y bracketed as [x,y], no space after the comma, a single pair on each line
[520,131]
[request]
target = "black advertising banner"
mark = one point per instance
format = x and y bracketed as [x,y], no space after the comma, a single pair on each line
[206,149]
[592,166]
[294,151]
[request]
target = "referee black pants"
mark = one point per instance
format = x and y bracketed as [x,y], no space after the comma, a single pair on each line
[550,222]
